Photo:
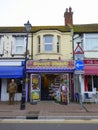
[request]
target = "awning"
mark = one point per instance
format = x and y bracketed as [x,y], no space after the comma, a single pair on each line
[11,71]
[50,70]
[91,69]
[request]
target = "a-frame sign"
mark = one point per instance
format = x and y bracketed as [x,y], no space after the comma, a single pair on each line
[78,52]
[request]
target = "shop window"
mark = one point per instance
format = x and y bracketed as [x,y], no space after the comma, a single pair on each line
[88,83]
[91,82]
[19,83]
[95,79]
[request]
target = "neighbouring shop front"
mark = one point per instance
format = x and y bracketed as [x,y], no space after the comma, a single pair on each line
[45,77]
[8,70]
[91,76]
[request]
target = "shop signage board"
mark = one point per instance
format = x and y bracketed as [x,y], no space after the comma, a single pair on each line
[91,62]
[49,64]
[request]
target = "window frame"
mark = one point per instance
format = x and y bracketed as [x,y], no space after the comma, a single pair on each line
[39,44]
[15,45]
[1,46]
[48,43]
[90,42]
[58,44]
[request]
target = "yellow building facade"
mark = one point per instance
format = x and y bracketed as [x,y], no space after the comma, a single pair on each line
[65,45]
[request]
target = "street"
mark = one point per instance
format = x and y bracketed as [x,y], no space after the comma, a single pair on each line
[11,124]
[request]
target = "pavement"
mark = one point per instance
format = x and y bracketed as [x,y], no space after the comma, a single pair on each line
[49,110]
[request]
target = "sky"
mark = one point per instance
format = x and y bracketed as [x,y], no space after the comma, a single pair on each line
[46,12]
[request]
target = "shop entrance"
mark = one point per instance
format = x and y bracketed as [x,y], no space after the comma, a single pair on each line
[50,84]
[46,86]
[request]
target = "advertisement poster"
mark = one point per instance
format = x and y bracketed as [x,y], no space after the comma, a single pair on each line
[35,95]
[35,87]
[35,82]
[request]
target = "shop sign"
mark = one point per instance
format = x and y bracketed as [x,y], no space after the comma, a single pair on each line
[49,64]
[91,61]
[10,63]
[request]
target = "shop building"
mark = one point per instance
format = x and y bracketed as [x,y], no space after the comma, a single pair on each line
[44,43]
[88,39]
[50,73]
[52,56]
[10,69]
[12,49]
[50,47]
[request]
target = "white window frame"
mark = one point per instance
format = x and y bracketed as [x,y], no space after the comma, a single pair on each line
[1,46]
[47,44]
[22,44]
[91,42]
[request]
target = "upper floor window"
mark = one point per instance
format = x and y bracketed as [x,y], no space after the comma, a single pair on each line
[91,42]
[38,44]
[19,46]
[1,46]
[58,44]
[48,43]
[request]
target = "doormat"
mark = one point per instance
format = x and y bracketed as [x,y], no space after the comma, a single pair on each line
[32,115]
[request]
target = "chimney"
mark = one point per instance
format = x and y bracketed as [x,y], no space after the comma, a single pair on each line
[68,15]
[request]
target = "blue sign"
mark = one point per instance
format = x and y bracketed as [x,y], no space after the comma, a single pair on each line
[79,65]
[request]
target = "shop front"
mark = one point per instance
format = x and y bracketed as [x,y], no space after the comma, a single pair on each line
[46,77]
[8,70]
[91,77]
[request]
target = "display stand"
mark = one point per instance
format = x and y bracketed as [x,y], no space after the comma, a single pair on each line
[35,88]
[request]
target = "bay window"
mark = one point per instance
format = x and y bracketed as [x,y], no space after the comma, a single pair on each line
[48,43]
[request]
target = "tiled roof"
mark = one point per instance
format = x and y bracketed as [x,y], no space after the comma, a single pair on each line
[82,28]
[33,29]
[86,28]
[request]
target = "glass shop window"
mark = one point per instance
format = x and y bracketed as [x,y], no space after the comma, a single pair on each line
[19,83]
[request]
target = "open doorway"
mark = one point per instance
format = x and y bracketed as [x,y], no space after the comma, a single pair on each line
[50,83]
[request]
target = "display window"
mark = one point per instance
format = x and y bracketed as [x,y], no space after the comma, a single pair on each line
[19,83]
[91,82]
